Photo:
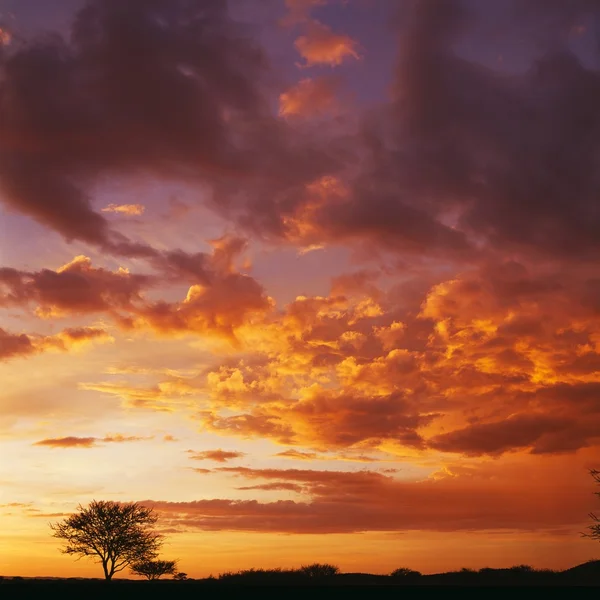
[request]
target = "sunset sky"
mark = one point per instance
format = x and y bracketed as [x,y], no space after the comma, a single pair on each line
[316,279]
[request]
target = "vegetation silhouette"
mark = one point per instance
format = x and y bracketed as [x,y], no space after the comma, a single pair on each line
[517,576]
[154,569]
[319,570]
[405,574]
[117,534]
[594,528]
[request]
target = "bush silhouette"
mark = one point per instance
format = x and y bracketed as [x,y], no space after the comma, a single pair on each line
[522,569]
[319,570]
[404,573]
[261,576]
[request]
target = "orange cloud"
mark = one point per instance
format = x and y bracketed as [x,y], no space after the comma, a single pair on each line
[131,210]
[88,442]
[68,442]
[320,45]
[74,288]
[221,308]
[216,455]
[298,455]
[310,456]
[337,501]
[496,360]
[20,345]
[309,97]
[220,299]
[12,345]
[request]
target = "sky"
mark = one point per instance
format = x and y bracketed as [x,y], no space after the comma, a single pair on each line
[315,279]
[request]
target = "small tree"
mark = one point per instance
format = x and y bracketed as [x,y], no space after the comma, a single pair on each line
[319,570]
[154,569]
[183,576]
[116,534]
[594,529]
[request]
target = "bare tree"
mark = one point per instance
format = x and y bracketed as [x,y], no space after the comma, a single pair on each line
[594,529]
[154,569]
[116,534]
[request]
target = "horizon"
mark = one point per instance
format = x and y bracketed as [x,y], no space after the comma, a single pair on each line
[314,279]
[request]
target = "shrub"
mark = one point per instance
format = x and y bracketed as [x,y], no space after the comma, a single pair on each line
[319,570]
[405,573]
[522,569]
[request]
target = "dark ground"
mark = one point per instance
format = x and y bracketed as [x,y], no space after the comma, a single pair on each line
[279,584]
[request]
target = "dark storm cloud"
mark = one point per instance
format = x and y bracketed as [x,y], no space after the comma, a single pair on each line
[464,154]
[141,86]
[514,158]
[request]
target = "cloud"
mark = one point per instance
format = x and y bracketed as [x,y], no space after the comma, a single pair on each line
[345,502]
[309,97]
[320,45]
[500,358]
[75,288]
[310,456]
[221,308]
[68,442]
[277,486]
[220,299]
[326,420]
[161,397]
[299,11]
[88,442]
[73,337]
[216,455]
[298,455]
[72,109]
[509,180]
[12,345]
[430,173]
[120,438]
[133,210]
[514,433]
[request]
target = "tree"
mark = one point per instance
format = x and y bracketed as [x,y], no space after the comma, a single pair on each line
[594,529]
[116,534]
[154,569]
[183,576]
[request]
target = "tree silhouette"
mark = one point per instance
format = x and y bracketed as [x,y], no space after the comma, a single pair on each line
[594,529]
[183,576]
[154,569]
[116,534]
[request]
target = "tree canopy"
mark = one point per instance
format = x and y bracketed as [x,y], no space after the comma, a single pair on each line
[116,534]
